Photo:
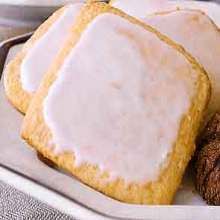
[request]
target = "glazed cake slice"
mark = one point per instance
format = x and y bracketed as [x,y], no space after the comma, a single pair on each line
[120,108]
[25,72]
[146,7]
[196,32]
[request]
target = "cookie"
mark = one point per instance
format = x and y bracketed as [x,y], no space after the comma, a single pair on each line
[120,108]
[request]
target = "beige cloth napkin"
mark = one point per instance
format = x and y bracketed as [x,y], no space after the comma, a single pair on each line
[15,205]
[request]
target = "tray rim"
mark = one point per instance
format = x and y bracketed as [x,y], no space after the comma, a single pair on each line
[4,49]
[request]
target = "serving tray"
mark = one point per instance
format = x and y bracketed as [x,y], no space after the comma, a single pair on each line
[17,157]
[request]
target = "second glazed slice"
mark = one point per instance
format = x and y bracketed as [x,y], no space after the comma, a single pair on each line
[120,108]
[24,74]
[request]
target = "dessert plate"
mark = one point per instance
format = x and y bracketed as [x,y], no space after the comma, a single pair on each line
[18,158]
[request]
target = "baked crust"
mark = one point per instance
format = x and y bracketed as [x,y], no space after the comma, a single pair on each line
[161,191]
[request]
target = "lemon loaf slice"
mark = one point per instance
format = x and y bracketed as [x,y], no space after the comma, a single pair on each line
[196,32]
[120,108]
[25,71]
[143,8]
[200,37]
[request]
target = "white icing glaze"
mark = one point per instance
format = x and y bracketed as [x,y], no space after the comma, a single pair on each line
[115,103]
[138,8]
[40,56]
[146,7]
[197,34]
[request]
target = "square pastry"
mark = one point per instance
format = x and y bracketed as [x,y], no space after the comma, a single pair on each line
[120,107]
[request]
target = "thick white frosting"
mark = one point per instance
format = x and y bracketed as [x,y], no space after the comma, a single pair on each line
[39,57]
[197,34]
[143,8]
[119,99]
